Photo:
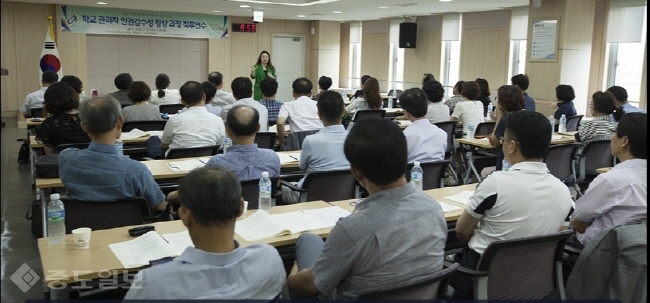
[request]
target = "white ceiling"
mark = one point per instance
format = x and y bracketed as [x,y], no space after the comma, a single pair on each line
[351,10]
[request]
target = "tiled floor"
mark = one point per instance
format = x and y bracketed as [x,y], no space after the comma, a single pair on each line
[18,243]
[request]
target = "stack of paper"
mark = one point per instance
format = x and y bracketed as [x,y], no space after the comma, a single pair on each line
[155,133]
[448,207]
[134,133]
[462,197]
[188,165]
[139,251]
[289,157]
[556,137]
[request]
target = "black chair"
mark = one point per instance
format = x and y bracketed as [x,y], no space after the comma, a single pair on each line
[485,128]
[295,139]
[595,154]
[520,269]
[573,122]
[265,140]
[368,114]
[61,147]
[204,151]
[432,173]
[171,109]
[560,161]
[429,287]
[144,125]
[450,128]
[36,113]
[250,191]
[327,186]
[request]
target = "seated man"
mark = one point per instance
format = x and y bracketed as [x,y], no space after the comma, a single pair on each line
[195,127]
[209,90]
[242,89]
[122,83]
[244,158]
[302,113]
[269,88]
[222,97]
[395,235]
[217,267]
[524,201]
[324,83]
[620,94]
[426,142]
[322,151]
[35,99]
[101,172]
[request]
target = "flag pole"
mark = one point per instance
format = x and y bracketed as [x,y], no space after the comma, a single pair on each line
[52,32]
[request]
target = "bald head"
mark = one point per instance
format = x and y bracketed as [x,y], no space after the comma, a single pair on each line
[243,120]
[100,115]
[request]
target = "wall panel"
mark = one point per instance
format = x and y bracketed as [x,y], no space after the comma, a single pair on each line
[484,54]
[425,58]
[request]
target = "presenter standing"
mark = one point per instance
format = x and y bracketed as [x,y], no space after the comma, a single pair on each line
[261,70]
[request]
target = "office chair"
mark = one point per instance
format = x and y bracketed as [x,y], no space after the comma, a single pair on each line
[573,122]
[429,287]
[265,140]
[432,173]
[144,125]
[327,186]
[61,147]
[204,151]
[171,109]
[560,161]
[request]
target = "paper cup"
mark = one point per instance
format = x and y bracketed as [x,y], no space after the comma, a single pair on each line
[244,213]
[81,237]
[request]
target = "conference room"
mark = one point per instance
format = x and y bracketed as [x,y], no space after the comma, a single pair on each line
[292,56]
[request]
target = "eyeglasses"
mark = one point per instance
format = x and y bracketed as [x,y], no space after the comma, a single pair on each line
[613,130]
[505,139]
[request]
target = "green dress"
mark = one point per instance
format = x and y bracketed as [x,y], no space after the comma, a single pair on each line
[260,75]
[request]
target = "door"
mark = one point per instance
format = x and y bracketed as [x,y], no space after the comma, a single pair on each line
[288,57]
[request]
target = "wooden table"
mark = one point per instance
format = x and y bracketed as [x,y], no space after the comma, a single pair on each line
[603,170]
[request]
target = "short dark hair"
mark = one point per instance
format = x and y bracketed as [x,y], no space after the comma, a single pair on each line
[434,91]
[325,82]
[414,101]
[428,77]
[212,194]
[533,132]
[123,81]
[511,98]
[60,98]
[191,93]
[619,93]
[565,93]
[215,78]
[302,86]
[364,78]
[100,114]
[459,86]
[241,87]
[162,82]
[471,90]
[520,80]
[210,90]
[367,146]
[243,120]
[269,87]
[485,87]
[330,106]
[604,102]
[635,127]
[74,82]
[49,77]
[139,91]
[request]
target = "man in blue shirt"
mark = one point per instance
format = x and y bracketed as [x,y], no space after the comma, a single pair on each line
[620,94]
[216,268]
[523,82]
[101,172]
[244,158]
[269,88]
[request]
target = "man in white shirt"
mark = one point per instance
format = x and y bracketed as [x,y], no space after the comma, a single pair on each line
[35,99]
[242,89]
[302,114]
[524,201]
[195,127]
[221,98]
[425,141]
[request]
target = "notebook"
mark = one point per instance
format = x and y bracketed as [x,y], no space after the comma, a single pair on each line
[187,165]
[289,157]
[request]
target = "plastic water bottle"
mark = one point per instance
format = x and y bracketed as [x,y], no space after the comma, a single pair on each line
[562,126]
[227,142]
[55,220]
[490,107]
[552,120]
[416,175]
[505,166]
[265,193]
[119,145]
[390,102]
[471,129]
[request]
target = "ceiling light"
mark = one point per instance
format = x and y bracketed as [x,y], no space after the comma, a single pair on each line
[382,7]
[301,16]
[216,11]
[444,0]
[244,6]
[336,12]
[102,3]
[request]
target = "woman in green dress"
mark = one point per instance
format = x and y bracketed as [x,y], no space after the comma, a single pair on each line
[261,70]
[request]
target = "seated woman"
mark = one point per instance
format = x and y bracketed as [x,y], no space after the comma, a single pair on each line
[76,84]
[371,99]
[565,96]
[469,111]
[436,110]
[63,126]
[164,95]
[141,110]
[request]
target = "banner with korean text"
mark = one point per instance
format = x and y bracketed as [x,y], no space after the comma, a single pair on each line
[113,21]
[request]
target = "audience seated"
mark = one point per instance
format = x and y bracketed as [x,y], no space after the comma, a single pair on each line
[457,97]
[436,111]
[62,127]
[216,267]
[395,235]
[269,88]
[324,83]
[322,151]
[510,100]
[620,94]
[470,111]
[122,83]
[359,92]
[221,98]
[242,89]
[195,127]
[302,113]
[35,99]
[164,95]
[565,96]
[371,99]
[139,94]
[243,157]
[425,141]
[484,97]
[522,81]
[427,77]
[101,172]
[76,84]
[522,202]
[209,89]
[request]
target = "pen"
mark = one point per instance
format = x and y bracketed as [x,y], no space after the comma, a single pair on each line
[163,238]
[294,158]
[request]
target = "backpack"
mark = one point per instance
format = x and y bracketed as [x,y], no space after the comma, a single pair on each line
[23,153]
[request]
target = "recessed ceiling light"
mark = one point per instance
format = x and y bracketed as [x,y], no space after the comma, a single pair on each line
[216,11]
[301,16]
[102,3]
[336,12]
[382,7]
[445,0]
[244,6]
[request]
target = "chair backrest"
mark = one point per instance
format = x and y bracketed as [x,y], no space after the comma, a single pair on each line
[522,269]
[368,114]
[250,191]
[144,125]
[171,109]
[422,288]
[104,215]
[265,140]
[485,128]
[431,173]
[61,147]
[598,154]
[36,112]
[559,161]
[450,128]
[294,139]
[329,186]
[573,122]
[204,151]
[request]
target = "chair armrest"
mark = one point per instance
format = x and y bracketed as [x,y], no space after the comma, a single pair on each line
[581,155]
[466,271]
[293,187]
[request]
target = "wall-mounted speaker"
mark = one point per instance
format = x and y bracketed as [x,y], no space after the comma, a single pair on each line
[407,34]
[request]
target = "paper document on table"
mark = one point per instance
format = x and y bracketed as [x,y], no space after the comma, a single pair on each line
[297,222]
[393,110]
[448,207]
[261,225]
[188,165]
[462,197]
[180,241]
[288,157]
[274,128]
[155,133]
[139,251]
[329,215]
[556,137]
[134,133]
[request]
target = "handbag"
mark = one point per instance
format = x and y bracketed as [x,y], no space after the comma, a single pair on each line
[34,214]
[47,167]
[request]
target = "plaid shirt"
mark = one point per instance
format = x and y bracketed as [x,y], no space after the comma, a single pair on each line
[274,108]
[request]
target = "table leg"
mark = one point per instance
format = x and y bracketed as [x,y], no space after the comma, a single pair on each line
[44,194]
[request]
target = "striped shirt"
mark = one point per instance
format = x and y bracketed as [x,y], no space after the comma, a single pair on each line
[596,129]
[145,112]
